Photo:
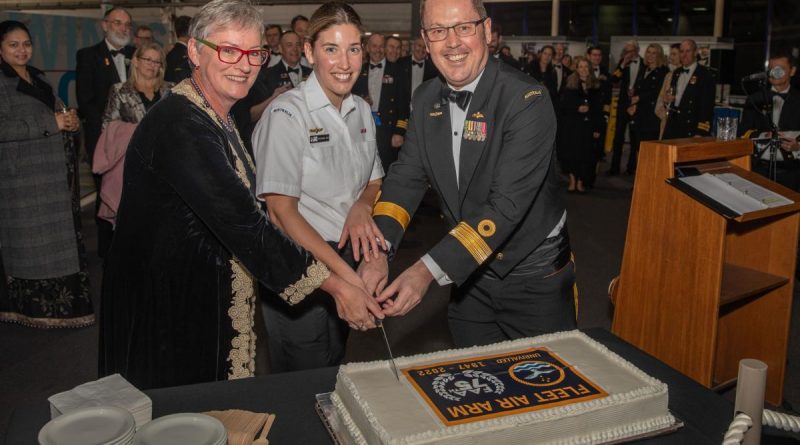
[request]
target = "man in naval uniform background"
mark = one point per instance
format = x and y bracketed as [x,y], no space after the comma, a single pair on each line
[691,108]
[483,139]
[382,85]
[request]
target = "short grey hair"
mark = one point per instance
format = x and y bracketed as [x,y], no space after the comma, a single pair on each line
[477,4]
[219,14]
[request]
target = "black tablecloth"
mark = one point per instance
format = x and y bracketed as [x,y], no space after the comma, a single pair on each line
[290,396]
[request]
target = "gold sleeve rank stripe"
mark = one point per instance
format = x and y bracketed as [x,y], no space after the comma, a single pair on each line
[393,211]
[705,126]
[471,241]
[402,123]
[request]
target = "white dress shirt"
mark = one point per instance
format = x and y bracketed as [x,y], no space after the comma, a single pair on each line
[777,104]
[376,83]
[634,71]
[306,148]
[119,62]
[417,74]
[559,69]
[683,80]
[294,76]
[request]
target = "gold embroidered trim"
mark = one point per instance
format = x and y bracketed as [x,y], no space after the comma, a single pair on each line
[315,274]
[393,211]
[471,241]
[242,310]
[242,313]
[705,126]
[47,323]
[402,123]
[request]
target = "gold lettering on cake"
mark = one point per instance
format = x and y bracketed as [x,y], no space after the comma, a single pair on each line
[471,365]
[513,402]
[430,371]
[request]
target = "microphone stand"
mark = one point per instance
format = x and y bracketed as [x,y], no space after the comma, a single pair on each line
[774,141]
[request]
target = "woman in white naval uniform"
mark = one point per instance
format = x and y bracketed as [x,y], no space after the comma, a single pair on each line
[319,172]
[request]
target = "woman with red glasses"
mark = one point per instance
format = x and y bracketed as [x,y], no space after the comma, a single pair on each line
[191,239]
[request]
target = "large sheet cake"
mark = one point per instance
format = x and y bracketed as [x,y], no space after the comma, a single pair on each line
[560,388]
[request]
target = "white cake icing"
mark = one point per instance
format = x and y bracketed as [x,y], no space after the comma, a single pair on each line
[377,409]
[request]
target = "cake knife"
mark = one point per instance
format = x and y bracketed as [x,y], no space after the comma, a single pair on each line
[379,323]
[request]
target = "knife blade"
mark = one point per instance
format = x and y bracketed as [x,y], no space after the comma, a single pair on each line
[379,323]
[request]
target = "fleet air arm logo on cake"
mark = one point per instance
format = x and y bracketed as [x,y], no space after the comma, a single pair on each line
[481,388]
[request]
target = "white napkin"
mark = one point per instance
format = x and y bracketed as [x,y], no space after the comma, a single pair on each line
[112,390]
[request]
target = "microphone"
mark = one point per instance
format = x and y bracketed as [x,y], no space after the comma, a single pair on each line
[756,76]
[777,73]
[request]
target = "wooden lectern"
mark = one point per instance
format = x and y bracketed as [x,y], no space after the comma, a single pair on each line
[698,290]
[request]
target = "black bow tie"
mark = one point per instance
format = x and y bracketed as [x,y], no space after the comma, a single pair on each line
[114,52]
[635,61]
[419,64]
[295,70]
[683,70]
[781,95]
[557,66]
[461,98]
[373,66]
[275,53]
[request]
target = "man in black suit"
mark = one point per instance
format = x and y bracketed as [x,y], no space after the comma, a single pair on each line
[629,71]
[98,67]
[561,71]
[178,66]
[382,85]
[417,67]
[691,108]
[272,34]
[595,56]
[779,103]
[483,139]
[271,83]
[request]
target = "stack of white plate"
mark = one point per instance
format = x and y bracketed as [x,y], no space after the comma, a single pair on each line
[97,425]
[183,429]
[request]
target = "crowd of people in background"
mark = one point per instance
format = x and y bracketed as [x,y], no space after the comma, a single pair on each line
[217,149]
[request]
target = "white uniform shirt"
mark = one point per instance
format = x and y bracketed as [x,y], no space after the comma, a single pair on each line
[308,149]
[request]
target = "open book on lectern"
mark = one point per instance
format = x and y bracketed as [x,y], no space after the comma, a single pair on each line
[728,193]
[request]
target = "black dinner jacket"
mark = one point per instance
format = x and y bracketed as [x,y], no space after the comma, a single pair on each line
[507,188]
[693,115]
[178,66]
[605,89]
[754,120]
[271,78]
[623,75]
[395,99]
[95,73]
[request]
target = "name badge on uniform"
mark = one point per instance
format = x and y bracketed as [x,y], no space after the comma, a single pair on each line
[475,131]
[315,138]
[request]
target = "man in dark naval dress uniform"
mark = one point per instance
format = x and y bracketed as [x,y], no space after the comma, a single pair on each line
[483,139]
[382,84]
[692,106]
